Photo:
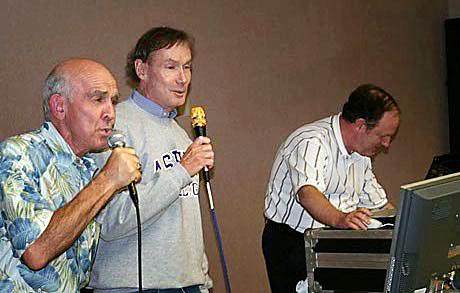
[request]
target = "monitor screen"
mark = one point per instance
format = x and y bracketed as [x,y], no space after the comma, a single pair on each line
[426,238]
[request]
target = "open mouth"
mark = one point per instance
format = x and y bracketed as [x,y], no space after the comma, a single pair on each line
[178,93]
[106,131]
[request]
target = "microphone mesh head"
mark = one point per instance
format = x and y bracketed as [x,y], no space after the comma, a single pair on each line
[198,117]
[116,139]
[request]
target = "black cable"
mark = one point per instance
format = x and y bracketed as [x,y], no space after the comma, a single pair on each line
[139,245]
[221,252]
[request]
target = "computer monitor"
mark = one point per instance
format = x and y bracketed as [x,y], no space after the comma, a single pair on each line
[426,237]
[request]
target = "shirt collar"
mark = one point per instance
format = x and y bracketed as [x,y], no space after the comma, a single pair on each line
[338,134]
[150,106]
[339,138]
[62,149]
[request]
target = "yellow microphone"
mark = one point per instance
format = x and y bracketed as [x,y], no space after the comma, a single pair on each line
[198,121]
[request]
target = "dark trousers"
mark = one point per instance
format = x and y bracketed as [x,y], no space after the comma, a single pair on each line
[284,252]
[191,289]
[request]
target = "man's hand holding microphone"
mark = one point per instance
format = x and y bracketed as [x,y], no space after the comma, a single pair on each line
[198,155]
[122,167]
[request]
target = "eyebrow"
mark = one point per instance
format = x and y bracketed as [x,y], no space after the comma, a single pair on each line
[100,93]
[177,62]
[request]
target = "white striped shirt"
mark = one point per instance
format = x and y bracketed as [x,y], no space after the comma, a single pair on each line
[315,155]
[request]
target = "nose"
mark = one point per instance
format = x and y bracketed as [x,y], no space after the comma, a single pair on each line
[109,112]
[182,76]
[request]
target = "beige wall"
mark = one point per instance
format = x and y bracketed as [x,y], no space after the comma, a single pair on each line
[262,68]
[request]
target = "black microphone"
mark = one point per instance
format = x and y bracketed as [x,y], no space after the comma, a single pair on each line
[199,127]
[117,139]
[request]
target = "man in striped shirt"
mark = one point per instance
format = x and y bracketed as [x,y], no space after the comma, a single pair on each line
[322,175]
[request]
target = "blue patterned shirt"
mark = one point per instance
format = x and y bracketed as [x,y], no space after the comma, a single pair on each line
[39,174]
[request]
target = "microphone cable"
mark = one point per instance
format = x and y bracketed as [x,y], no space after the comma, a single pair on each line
[219,239]
[139,244]
[135,198]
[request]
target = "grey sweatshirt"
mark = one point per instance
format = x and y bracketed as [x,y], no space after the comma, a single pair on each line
[172,238]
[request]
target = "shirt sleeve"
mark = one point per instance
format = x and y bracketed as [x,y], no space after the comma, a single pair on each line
[373,195]
[306,165]
[25,212]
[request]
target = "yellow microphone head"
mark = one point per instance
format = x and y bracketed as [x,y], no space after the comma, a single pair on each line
[198,117]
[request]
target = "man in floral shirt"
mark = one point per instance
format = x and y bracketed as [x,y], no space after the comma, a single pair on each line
[48,196]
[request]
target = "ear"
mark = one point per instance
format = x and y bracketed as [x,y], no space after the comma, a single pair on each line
[360,125]
[58,106]
[140,68]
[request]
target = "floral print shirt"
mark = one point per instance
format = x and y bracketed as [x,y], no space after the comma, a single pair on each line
[39,173]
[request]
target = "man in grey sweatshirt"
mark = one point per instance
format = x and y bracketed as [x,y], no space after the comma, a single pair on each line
[172,238]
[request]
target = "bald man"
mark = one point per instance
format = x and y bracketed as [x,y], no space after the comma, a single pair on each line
[48,188]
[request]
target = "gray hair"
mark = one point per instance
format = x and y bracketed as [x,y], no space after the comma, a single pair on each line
[55,83]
